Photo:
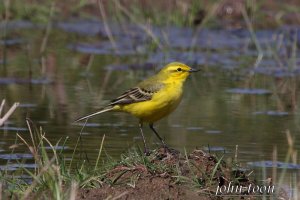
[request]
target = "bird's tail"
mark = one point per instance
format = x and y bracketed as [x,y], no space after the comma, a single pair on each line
[106,109]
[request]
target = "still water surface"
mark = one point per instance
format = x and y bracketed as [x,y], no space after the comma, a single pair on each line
[230,102]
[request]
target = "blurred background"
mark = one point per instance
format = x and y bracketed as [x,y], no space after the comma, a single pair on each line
[64,59]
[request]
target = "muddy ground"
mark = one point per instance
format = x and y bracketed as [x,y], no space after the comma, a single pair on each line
[169,175]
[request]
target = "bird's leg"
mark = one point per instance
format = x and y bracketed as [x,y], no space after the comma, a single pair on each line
[162,141]
[146,150]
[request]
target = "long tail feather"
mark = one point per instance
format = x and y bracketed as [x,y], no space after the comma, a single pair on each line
[95,113]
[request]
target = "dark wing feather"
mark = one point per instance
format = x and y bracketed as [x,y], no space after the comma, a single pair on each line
[134,95]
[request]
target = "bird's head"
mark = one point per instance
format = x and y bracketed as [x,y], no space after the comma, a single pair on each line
[176,71]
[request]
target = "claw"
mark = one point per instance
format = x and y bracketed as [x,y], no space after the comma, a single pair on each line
[147,152]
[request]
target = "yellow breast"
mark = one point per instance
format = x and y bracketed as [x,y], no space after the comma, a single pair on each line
[162,103]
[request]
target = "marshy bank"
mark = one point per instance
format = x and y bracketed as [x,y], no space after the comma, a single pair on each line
[163,174]
[47,172]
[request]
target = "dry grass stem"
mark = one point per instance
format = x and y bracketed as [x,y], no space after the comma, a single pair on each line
[9,112]
[106,27]
[145,28]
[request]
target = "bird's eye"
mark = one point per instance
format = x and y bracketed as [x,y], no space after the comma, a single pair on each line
[179,69]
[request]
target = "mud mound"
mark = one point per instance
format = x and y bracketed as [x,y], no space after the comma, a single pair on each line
[166,174]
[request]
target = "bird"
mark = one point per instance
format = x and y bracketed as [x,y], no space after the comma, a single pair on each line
[152,99]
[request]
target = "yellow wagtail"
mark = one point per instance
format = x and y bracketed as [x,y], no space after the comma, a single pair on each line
[153,98]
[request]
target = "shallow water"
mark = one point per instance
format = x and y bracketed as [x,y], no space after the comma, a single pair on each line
[229,103]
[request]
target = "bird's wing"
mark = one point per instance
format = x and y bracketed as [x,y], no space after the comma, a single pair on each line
[143,92]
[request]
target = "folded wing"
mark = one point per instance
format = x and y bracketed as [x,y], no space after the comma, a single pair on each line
[134,95]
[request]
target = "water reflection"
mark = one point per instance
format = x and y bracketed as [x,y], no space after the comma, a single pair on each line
[277,164]
[230,103]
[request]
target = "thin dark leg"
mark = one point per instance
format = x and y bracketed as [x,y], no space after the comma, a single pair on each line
[162,141]
[146,150]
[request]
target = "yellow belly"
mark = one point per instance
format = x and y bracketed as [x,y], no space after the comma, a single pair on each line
[161,104]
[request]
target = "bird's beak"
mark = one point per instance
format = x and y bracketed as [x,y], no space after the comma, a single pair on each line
[194,70]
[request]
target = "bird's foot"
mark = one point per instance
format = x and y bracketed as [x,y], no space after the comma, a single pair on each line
[170,150]
[146,151]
